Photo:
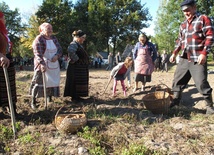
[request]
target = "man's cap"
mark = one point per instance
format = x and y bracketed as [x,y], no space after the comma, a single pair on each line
[186,4]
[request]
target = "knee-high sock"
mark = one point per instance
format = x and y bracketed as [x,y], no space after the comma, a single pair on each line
[123,85]
[114,86]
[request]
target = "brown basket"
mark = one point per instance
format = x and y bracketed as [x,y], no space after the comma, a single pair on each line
[157,102]
[69,123]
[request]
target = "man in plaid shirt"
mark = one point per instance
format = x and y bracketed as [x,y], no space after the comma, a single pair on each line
[195,40]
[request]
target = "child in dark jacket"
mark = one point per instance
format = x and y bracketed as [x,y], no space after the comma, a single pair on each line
[120,72]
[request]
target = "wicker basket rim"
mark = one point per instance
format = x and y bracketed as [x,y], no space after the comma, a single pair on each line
[149,95]
[64,123]
[66,115]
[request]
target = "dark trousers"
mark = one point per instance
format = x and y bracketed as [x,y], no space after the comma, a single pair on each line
[184,71]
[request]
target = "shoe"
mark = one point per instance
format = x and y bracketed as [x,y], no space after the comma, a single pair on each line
[175,102]
[33,105]
[143,89]
[210,111]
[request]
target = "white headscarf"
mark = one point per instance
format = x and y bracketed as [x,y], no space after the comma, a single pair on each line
[43,27]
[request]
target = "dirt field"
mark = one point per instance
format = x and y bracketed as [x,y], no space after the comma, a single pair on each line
[184,130]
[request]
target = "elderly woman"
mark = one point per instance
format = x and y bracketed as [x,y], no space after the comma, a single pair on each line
[47,51]
[144,55]
[6,60]
[77,75]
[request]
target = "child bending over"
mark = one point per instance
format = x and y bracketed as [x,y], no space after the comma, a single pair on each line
[120,72]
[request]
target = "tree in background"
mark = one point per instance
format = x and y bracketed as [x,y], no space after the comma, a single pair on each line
[14,26]
[32,30]
[207,7]
[59,14]
[169,18]
[114,24]
[109,24]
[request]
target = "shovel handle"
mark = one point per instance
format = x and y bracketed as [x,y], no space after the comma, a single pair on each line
[44,88]
[10,101]
[107,85]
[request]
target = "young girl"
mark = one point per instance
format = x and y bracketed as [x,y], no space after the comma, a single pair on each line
[120,72]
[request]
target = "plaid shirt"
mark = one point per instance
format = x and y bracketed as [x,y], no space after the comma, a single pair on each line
[195,38]
[39,48]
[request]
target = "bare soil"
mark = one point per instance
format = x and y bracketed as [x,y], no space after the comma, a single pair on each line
[176,132]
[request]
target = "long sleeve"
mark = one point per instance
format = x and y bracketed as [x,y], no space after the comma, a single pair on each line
[135,50]
[115,70]
[39,47]
[72,48]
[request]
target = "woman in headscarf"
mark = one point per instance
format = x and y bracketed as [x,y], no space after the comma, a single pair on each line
[144,55]
[77,75]
[47,51]
[6,60]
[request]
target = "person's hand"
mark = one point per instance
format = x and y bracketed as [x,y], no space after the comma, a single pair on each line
[55,58]
[4,61]
[43,68]
[172,58]
[202,59]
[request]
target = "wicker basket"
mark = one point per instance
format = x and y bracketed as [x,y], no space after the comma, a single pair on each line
[69,123]
[157,102]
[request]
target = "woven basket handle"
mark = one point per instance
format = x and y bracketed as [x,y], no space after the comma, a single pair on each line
[164,92]
[57,113]
[163,84]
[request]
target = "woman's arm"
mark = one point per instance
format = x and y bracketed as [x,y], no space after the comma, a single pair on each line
[72,48]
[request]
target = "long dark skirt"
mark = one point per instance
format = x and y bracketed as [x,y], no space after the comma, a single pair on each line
[3,87]
[77,78]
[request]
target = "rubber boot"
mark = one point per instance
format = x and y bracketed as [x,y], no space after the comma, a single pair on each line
[15,108]
[49,99]
[33,104]
[176,99]
[209,105]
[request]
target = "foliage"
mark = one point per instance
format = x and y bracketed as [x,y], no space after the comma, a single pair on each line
[169,17]
[93,136]
[59,14]
[137,149]
[167,25]
[110,25]
[14,26]
[5,133]
[116,23]
[206,7]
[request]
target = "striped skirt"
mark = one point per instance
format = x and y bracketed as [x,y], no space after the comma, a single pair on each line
[3,87]
[77,79]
